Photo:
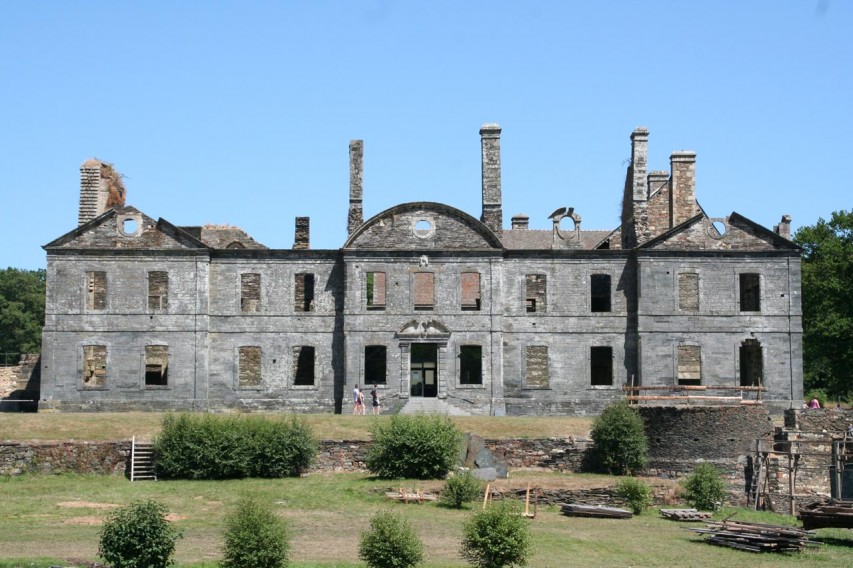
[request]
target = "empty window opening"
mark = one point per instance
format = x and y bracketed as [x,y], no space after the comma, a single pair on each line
[599,285]
[375,290]
[250,293]
[156,365]
[375,364]
[96,290]
[470,291]
[249,368]
[94,366]
[535,294]
[304,293]
[424,290]
[536,366]
[470,365]
[129,226]
[303,365]
[689,367]
[601,366]
[158,290]
[750,292]
[688,292]
[751,364]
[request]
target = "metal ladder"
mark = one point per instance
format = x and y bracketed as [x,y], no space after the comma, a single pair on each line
[142,461]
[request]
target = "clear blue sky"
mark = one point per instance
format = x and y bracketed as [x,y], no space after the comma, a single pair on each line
[241,112]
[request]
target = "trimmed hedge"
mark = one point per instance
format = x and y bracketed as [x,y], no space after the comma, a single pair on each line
[205,446]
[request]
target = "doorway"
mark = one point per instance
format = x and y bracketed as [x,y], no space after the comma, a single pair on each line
[424,370]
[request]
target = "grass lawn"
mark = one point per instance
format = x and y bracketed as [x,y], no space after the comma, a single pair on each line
[146,425]
[56,520]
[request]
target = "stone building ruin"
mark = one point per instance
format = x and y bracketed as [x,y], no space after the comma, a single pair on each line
[428,302]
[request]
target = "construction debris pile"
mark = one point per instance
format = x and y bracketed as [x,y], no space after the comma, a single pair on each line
[756,537]
[827,514]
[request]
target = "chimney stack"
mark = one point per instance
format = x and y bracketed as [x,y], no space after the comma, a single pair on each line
[783,229]
[490,141]
[100,189]
[355,219]
[682,196]
[302,238]
[639,157]
[520,222]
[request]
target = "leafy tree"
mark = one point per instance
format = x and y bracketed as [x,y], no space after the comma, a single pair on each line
[390,542]
[704,488]
[21,310]
[255,537]
[827,284]
[619,440]
[459,489]
[138,536]
[416,446]
[496,537]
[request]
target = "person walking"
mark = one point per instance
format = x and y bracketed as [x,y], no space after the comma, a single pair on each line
[374,395]
[357,398]
[361,407]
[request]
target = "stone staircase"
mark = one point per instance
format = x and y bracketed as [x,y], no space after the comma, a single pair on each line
[428,405]
[142,461]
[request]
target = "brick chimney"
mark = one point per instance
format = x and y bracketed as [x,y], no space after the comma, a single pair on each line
[100,189]
[520,222]
[682,197]
[356,176]
[490,142]
[302,239]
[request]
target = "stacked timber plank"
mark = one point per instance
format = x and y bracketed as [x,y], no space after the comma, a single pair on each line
[685,515]
[576,510]
[757,537]
[827,514]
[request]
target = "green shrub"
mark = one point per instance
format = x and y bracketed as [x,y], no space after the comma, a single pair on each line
[637,494]
[620,445]
[704,488]
[459,489]
[497,536]
[138,536]
[390,542]
[413,446]
[255,537]
[205,446]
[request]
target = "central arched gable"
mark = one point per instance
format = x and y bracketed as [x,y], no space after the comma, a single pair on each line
[423,225]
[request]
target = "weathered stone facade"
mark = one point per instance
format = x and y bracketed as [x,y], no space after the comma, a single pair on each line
[423,300]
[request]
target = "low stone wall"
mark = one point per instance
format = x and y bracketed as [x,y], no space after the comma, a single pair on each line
[556,454]
[833,420]
[102,458]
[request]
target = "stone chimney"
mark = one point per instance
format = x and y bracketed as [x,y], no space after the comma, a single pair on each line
[639,157]
[682,197]
[101,188]
[520,222]
[783,229]
[635,196]
[355,219]
[657,180]
[302,239]
[490,142]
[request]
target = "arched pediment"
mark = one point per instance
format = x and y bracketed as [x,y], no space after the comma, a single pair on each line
[423,225]
[423,330]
